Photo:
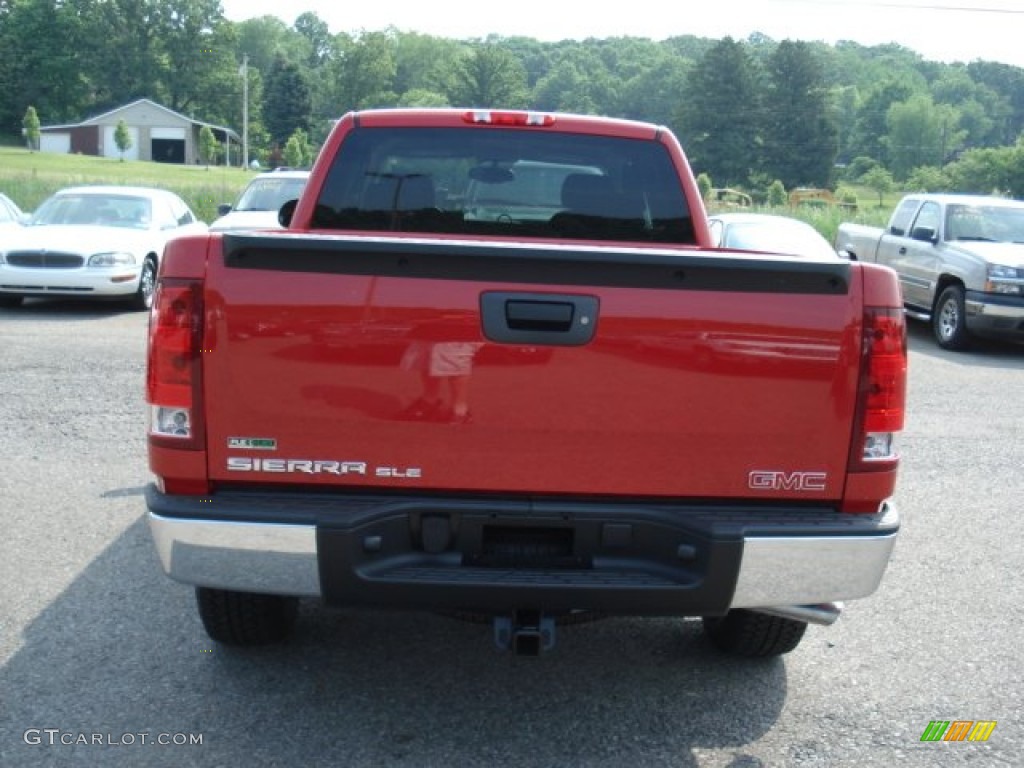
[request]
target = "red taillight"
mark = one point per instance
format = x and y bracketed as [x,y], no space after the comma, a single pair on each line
[492,117]
[173,364]
[882,390]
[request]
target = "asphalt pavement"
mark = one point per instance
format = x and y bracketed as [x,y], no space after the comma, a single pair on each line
[103,661]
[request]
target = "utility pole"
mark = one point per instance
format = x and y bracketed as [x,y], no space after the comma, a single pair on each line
[244,71]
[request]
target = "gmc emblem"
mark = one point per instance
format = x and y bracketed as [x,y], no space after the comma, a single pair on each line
[774,480]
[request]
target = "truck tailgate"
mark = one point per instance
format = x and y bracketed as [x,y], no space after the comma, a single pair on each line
[427,363]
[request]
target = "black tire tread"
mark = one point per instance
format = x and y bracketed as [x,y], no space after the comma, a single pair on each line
[961,340]
[752,634]
[246,619]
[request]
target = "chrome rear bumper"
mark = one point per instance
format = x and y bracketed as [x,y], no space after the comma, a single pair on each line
[794,576]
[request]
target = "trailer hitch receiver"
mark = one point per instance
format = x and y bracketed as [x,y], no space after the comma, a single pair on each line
[525,633]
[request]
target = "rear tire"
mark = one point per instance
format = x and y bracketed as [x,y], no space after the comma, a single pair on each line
[949,322]
[245,618]
[11,302]
[756,635]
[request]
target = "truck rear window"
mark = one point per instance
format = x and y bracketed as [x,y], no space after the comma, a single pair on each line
[504,182]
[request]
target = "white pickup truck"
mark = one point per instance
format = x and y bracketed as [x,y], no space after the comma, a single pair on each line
[960,260]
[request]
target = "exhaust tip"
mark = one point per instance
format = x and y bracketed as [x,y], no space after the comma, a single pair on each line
[824,614]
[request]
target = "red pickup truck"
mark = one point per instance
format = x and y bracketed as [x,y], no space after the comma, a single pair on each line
[493,367]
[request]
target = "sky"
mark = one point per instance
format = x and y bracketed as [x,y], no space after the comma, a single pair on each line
[940,30]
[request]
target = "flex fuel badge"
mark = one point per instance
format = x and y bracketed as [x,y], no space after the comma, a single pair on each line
[253,443]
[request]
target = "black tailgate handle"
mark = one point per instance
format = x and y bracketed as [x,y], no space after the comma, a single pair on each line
[514,317]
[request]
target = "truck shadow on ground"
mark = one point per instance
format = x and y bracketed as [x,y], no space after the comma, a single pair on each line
[59,310]
[121,651]
[989,353]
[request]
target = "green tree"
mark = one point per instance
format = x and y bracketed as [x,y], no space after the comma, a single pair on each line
[880,181]
[123,56]
[490,77]
[292,152]
[360,74]
[287,103]
[317,35]
[265,37]
[652,94]
[718,114]
[40,42]
[1015,169]
[424,63]
[420,97]
[259,138]
[978,123]
[180,53]
[858,167]
[986,171]
[927,178]
[801,139]
[847,197]
[31,125]
[776,194]
[198,57]
[704,185]
[1007,81]
[122,138]
[564,88]
[209,147]
[921,133]
[298,153]
[867,137]
[634,78]
[843,106]
[983,112]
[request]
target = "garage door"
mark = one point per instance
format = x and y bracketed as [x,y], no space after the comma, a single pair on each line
[55,142]
[167,133]
[168,151]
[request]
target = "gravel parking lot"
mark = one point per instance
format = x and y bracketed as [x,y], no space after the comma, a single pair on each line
[103,660]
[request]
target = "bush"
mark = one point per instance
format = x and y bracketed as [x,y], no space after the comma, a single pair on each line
[704,185]
[776,194]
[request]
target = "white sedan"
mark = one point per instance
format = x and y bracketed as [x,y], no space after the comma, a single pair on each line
[769,233]
[103,242]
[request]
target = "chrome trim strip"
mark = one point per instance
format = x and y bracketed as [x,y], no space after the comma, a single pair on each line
[803,570]
[248,557]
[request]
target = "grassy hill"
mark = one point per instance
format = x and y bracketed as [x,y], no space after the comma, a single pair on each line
[28,178]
